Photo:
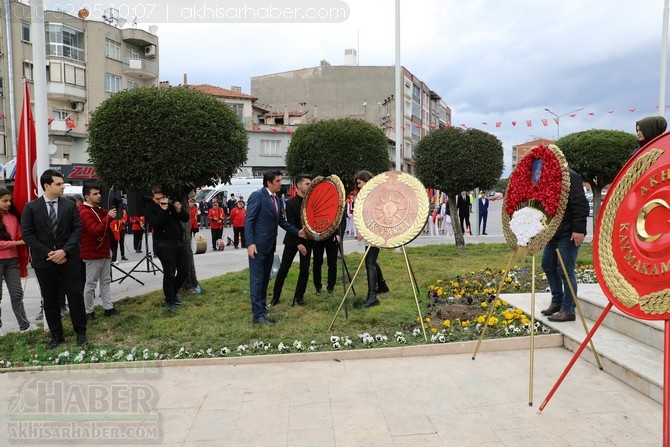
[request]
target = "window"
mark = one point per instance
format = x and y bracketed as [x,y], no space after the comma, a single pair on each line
[416,93]
[132,53]
[112,49]
[132,84]
[271,148]
[112,83]
[65,41]
[28,70]
[60,114]
[25,32]
[238,108]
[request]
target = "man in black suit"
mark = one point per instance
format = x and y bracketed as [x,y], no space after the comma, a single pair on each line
[294,244]
[260,231]
[52,230]
[463,206]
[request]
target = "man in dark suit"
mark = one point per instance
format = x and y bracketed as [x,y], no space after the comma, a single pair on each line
[294,244]
[260,231]
[52,230]
[463,206]
[483,212]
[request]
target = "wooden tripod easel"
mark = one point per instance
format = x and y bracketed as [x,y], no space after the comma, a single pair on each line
[532,318]
[412,278]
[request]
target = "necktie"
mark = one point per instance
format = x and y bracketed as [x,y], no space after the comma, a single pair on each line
[274,202]
[53,218]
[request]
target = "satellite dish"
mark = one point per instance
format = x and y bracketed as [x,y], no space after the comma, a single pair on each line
[121,21]
[52,149]
[83,13]
[153,29]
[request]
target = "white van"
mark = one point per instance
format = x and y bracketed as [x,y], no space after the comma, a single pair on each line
[240,186]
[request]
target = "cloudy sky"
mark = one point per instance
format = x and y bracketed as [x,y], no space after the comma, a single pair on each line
[490,60]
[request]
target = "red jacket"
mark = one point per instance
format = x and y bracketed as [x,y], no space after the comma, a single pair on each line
[218,214]
[193,214]
[237,216]
[94,234]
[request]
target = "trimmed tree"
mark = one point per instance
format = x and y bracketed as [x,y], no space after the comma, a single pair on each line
[340,146]
[598,156]
[175,137]
[453,160]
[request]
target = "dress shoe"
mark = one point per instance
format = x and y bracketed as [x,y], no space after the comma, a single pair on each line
[484,234]
[177,300]
[64,311]
[111,312]
[81,339]
[329,290]
[274,302]
[370,302]
[263,320]
[552,309]
[561,316]
[90,316]
[55,341]
[382,287]
[123,258]
[318,291]
[300,302]
[171,305]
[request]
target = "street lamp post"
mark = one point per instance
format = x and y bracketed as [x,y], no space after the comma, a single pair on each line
[558,119]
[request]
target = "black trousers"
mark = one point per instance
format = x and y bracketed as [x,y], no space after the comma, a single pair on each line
[238,237]
[330,247]
[137,239]
[65,277]
[303,276]
[217,233]
[175,260]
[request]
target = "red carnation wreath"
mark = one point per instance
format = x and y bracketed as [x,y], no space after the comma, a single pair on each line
[538,186]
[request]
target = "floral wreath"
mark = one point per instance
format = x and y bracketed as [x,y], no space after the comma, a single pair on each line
[536,198]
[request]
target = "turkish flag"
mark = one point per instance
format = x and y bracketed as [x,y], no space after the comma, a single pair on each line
[25,179]
[498,123]
[529,123]
[545,122]
[70,124]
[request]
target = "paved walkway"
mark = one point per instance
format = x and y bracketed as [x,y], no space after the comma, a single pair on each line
[428,395]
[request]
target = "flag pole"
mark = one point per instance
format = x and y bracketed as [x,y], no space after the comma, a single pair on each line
[38,40]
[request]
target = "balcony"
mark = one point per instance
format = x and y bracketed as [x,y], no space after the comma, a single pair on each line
[138,37]
[140,68]
[69,127]
[65,92]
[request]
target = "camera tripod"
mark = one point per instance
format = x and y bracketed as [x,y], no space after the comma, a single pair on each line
[151,266]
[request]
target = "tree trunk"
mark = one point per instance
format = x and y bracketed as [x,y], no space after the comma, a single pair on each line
[456,222]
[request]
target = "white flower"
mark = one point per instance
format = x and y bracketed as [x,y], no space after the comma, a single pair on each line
[145,354]
[336,345]
[313,343]
[282,347]
[259,344]
[441,338]
[225,351]
[241,348]
[312,348]
[334,338]
[103,352]
[130,357]
[398,334]
[400,339]
[416,331]
[527,223]
[347,342]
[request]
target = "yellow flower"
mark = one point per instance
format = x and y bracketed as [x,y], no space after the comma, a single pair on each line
[465,323]
[493,321]
[484,304]
[446,323]
[427,320]
[433,330]
[481,319]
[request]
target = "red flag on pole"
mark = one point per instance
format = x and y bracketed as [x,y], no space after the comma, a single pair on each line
[25,179]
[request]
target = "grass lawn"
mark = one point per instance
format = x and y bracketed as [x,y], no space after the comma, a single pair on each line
[219,320]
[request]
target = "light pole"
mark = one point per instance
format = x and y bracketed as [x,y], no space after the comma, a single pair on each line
[558,119]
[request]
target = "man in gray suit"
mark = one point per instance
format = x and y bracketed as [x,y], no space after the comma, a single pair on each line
[52,230]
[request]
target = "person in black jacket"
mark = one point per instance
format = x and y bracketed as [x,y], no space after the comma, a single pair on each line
[294,244]
[166,220]
[567,239]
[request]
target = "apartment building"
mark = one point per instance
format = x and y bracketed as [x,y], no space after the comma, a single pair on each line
[519,150]
[87,60]
[352,91]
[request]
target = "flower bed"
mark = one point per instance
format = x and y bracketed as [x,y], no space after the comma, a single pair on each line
[457,308]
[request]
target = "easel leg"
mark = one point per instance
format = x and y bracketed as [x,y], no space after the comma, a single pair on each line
[492,308]
[532,335]
[579,309]
[350,287]
[415,288]
[577,353]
